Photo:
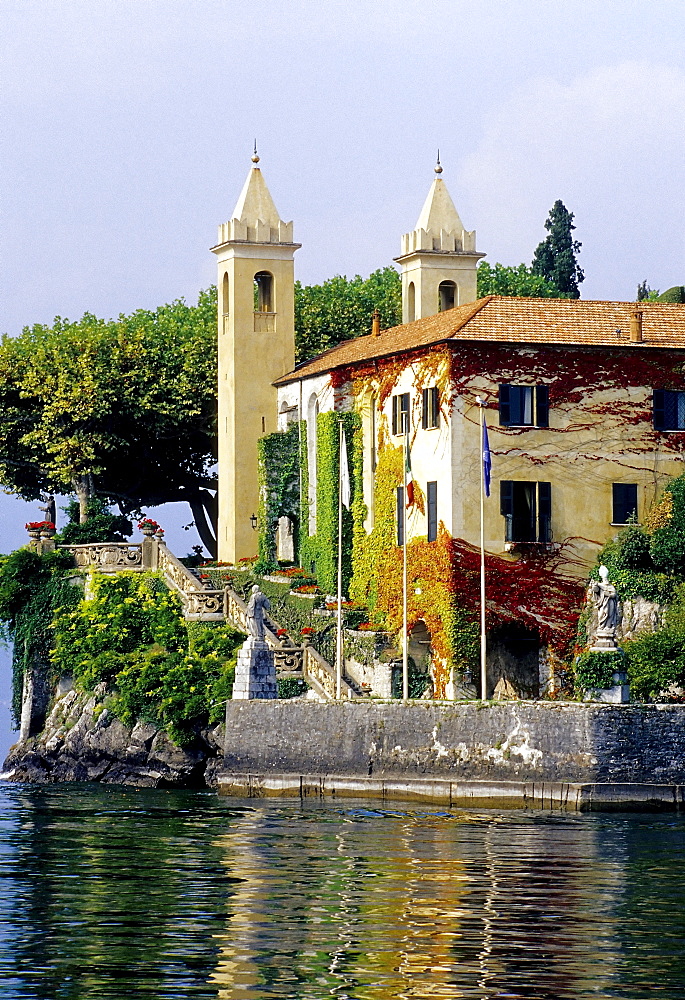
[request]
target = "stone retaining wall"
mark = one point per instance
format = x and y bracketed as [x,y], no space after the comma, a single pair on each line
[508,741]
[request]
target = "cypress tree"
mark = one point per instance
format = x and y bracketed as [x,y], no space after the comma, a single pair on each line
[555,258]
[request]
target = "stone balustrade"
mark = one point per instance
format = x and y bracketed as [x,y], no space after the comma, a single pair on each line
[107,557]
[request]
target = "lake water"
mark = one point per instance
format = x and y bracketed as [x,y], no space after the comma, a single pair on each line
[110,893]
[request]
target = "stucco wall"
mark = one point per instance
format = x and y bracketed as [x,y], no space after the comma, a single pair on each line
[523,741]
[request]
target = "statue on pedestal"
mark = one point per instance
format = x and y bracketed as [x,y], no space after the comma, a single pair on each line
[257,607]
[605,599]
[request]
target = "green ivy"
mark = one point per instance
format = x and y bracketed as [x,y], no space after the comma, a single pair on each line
[279,490]
[596,670]
[32,587]
[130,634]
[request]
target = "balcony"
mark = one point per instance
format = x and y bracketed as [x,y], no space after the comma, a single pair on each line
[264,322]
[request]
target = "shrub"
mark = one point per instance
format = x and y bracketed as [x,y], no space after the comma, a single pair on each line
[102,525]
[131,635]
[596,670]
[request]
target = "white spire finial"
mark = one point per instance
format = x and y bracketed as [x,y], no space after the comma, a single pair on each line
[255,157]
[438,165]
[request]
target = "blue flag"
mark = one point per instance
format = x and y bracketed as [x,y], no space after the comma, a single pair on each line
[487,459]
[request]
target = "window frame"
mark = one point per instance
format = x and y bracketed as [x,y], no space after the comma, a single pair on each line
[615,489]
[661,398]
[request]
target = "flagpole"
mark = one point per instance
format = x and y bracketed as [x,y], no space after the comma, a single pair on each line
[483,650]
[405,643]
[338,638]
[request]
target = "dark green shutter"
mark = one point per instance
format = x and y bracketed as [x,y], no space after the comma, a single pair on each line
[542,406]
[504,405]
[424,409]
[659,410]
[506,497]
[432,496]
[544,512]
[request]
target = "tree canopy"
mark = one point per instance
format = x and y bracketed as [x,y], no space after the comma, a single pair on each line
[515,280]
[555,258]
[123,409]
[342,308]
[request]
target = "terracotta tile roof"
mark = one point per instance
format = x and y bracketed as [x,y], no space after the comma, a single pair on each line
[506,319]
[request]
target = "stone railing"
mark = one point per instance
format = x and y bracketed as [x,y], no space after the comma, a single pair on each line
[322,675]
[107,557]
[199,603]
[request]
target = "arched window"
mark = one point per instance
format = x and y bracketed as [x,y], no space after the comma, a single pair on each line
[224,294]
[447,295]
[411,303]
[263,292]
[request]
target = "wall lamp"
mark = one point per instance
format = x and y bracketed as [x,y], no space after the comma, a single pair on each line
[253,521]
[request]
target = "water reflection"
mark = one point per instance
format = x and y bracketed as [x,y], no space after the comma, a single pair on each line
[110,893]
[378,904]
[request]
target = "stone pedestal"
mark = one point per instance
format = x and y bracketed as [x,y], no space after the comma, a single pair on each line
[255,671]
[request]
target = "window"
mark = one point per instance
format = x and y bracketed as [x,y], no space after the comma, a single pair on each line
[447,291]
[263,292]
[411,302]
[669,410]
[624,502]
[430,416]
[399,514]
[400,413]
[224,295]
[524,405]
[527,510]
[432,497]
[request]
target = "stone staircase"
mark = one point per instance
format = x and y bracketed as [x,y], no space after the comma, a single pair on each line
[202,603]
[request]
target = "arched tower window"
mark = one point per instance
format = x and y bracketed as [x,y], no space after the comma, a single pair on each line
[411,302]
[447,295]
[263,292]
[224,294]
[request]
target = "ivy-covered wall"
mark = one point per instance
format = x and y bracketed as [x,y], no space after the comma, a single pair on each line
[279,490]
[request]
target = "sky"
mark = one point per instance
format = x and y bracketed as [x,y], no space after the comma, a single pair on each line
[128,129]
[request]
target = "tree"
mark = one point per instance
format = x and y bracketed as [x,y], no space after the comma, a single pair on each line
[516,280]
[121,409]
[645,293]
[342,308]
[555,257]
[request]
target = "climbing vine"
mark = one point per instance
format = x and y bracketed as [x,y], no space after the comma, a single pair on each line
[279,490]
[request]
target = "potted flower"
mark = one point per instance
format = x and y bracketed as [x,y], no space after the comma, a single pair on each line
[283,637]
[148,527]
[48,529]
[34,528]
[306,634]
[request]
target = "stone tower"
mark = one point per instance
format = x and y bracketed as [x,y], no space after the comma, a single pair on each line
[438,258]
[255,284]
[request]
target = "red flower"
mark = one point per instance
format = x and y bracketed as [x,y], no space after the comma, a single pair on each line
[306,630]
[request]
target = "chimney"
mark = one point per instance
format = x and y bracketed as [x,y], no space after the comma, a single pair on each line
[376,324]
[636,326]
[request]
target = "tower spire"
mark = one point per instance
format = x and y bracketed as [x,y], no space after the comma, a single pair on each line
[438,166]
[255,155]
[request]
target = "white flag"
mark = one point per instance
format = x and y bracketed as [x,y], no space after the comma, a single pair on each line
[344,473]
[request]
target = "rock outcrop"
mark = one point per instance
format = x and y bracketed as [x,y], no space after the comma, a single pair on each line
[82,741]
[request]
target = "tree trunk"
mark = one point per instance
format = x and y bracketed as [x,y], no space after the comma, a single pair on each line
[83,488]
[202,515]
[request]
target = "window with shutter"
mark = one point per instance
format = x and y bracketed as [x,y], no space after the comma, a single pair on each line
[400,413]
[527,510]
[430,415]
[523,405]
